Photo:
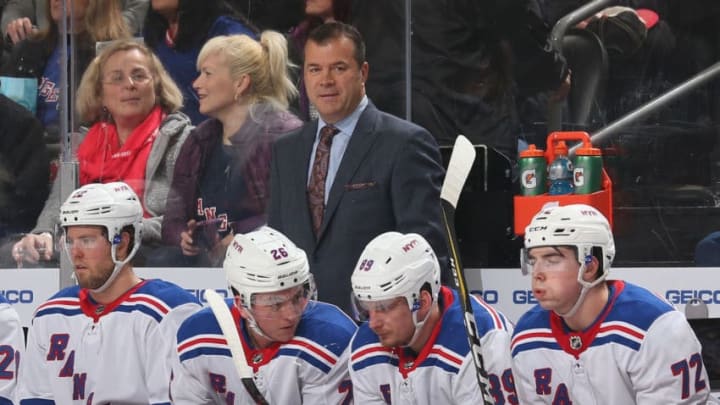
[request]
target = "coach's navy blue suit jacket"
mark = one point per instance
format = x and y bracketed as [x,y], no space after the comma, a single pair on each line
[389,179]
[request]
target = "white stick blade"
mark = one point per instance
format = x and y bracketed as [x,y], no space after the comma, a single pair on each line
[461,161]
[227,325]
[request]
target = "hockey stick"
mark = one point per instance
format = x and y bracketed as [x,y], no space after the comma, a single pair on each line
[227,325]
[461,161]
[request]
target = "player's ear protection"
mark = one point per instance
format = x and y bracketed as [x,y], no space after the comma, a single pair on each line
[416,305]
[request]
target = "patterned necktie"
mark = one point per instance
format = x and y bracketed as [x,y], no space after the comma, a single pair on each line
[316,188]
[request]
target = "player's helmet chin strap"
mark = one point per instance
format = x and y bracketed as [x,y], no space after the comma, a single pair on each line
[251,319]
[254,326]
[119,264]
[586,286]
[418,324]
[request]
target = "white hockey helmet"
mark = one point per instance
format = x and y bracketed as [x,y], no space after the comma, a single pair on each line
[396,265]
[112,206]
[577,225]
[265,261]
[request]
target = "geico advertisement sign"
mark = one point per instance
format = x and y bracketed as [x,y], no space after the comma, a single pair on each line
[510,291]
[506,289]
[687,296]
[673,296]
[518,296]
[200,294]
[27,288]
[19,296]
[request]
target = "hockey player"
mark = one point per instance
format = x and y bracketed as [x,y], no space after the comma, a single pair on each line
[594,341]
[12,346]
[297,347]
[111,338]
[414,348]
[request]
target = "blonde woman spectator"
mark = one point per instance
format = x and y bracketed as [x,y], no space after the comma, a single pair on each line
[136,134]
[222,175]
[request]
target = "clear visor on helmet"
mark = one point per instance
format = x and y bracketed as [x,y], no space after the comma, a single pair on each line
[290,302]
[363,308]
[548,260]
[82,242]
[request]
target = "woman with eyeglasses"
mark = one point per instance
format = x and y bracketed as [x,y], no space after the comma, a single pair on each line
[221,183]
[136,132]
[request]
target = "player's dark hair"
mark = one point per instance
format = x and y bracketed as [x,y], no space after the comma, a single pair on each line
[336,30]
[130,229]
[127,228]
[598,253]
[428,288]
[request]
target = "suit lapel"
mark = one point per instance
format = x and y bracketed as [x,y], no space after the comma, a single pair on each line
[360,143]
[301,162]
[302,157]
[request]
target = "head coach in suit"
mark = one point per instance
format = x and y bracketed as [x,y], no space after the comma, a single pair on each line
[383,173]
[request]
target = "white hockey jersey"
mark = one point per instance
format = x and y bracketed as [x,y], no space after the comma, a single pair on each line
[443,372]
[640,350]
[311,368]
[79,352]
[12,346]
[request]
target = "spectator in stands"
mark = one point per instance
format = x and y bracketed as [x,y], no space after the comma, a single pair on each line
[24,168]
[640,45]
[468,59]
[316,12]
[264,14]
[707,251]
[176,30]
[222,173]
[136,134]
[39,55]
[22,18]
